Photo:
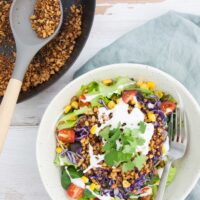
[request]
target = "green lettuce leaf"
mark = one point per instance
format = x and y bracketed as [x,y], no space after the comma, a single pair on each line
[101,90]
[65,179]
[171,175]
[74,172]
[69,120]
[61,161]
[128,166]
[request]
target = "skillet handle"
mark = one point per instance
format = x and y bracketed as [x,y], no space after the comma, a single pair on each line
[7,108]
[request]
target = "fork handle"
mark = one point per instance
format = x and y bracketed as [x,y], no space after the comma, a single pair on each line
[163,181]
[7,108]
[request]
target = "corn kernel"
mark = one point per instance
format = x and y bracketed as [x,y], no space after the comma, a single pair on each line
[126,184]
[163,149]
[97,187]
[157,182]
[139,82]
[67,109]
[111,104]
[91,198]
[144,86]
[84,179]
[92,186]
[151,117]
[107,82]
[159,94]
[132,102]
[151,85]
[117,101]
[74,104]
[139,105]
[58,150]
[93,129]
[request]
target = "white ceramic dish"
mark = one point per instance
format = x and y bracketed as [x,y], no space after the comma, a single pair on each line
[188,169]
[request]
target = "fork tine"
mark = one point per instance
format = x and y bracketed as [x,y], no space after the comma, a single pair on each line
[181,125]
[185,126]
[171,127]
[177,126]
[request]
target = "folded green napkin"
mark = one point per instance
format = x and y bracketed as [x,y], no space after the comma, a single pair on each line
[170,42]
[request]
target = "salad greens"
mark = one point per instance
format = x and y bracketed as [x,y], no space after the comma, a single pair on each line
[171,176]
[61,160]
[69,120]
[99,89]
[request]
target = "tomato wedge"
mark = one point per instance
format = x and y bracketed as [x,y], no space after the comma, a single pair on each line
[128,95]
[167,106]
[74,191]
[82,101]
[66,135]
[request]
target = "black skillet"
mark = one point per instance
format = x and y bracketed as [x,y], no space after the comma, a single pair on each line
[87,20]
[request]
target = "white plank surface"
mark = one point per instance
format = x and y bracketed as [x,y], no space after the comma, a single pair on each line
[19,178]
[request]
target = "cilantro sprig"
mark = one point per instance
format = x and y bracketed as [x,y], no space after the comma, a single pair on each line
[126,155]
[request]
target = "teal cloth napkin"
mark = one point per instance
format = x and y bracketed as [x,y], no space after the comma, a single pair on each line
[170,42]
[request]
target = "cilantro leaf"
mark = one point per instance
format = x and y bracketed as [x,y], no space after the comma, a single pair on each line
[139,161]
[128,166]
[140,141]
[142,127]
[109,146]
[115,135]
[114,158]
[104,133]
[129,149]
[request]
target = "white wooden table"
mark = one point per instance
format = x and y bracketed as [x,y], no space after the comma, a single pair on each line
[19,177]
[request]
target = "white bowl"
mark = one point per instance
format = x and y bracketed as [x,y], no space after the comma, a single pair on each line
[188,169]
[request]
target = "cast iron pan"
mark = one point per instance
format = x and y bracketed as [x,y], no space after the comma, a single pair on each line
[87,20]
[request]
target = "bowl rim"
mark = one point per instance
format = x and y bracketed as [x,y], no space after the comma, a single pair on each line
[102,68]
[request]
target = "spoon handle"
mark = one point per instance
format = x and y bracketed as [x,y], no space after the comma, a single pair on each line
[7,108]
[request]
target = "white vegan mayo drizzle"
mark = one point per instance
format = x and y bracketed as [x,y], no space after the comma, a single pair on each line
[131,120]
[94,159]
[76,181]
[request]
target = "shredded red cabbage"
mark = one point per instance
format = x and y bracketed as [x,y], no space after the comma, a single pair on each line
[82,132]
[101,101]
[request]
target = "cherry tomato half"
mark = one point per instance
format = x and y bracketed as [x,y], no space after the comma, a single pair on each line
[167,106]
[66,135]
[74,191]
[128,95]
[82,101]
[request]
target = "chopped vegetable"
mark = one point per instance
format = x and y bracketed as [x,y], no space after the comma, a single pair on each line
[171,176]
[66,135]
[74,191]
[128,95]
[65,179]
[168,107]
[69,120]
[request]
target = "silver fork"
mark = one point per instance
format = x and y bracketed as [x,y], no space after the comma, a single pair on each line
[178,144]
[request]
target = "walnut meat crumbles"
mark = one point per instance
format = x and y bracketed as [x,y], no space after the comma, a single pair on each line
[5,31]
[49,60]
[46,17]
